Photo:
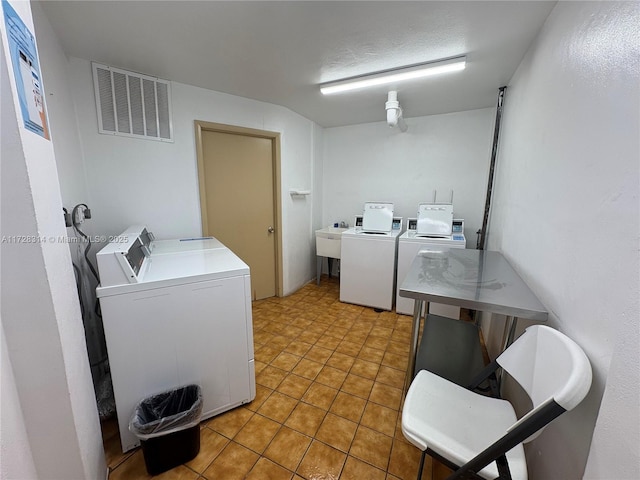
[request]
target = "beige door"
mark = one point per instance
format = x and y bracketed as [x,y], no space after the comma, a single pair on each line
[238,184]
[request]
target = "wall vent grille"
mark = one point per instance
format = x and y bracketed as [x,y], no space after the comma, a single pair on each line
[131,104]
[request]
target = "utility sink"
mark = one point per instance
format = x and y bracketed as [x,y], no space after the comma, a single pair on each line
[328,242]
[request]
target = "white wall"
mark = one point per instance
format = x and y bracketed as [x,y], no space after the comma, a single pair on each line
[614,448]
[16,460]
[372,162]
[62,115]
[565,214]
[134,181]
[71,172]
[42,328]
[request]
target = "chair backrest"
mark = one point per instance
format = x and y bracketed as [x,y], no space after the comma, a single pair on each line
[549,366]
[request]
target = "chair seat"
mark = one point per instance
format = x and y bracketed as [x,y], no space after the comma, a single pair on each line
[457,423]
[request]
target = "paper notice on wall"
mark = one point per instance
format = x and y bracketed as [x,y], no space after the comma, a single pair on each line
[26,70]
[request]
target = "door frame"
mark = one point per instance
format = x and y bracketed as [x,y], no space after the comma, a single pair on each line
[201,126]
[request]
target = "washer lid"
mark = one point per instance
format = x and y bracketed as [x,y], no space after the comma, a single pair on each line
[435,219]
[378,217]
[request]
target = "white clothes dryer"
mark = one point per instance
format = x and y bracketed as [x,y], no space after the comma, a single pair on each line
[176,319]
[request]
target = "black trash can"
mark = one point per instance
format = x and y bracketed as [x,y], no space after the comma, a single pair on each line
[168,426]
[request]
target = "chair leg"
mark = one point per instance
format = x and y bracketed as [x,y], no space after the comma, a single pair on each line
[424,453]
[503,467]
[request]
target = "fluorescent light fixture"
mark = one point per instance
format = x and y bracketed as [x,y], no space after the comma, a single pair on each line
[395,75]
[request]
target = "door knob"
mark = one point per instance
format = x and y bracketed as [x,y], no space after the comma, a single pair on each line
[270,230]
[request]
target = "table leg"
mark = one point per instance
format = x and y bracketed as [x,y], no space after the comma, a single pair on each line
[510,332]
[413,350]
[318,269]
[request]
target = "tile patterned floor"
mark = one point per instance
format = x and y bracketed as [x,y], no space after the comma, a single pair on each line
[329,381]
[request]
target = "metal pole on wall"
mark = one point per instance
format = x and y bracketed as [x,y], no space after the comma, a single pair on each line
[482,233]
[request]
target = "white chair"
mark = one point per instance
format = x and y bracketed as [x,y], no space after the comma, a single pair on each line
[472,433]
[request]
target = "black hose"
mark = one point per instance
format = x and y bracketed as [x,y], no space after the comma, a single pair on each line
[78,277]
[99,362]
[88,247]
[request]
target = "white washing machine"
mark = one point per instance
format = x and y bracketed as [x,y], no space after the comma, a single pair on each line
[368,258]
[176,319]
[436,230]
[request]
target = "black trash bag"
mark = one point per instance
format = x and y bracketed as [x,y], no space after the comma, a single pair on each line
[167,412]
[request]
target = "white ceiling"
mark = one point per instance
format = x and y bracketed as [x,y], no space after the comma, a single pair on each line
[279,52]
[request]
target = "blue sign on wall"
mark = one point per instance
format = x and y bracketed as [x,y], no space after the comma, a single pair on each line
[26,70]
